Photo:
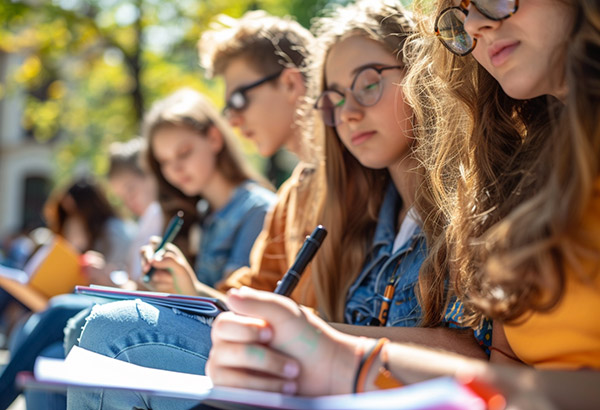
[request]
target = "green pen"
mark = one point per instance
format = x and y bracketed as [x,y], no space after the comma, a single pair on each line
[171,232]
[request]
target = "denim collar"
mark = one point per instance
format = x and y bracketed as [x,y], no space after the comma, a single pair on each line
[385,232]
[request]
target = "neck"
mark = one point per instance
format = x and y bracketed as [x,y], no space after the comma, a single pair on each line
[404,177]
[294,141]
[218,191]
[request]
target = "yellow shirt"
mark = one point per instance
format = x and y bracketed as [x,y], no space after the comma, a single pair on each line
[568,336]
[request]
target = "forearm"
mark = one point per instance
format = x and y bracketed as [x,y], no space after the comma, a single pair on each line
[451,340]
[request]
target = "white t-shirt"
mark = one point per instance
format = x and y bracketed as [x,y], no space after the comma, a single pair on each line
[407,229]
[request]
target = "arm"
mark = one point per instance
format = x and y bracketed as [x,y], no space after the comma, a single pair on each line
[274,248]
[247,233]
[459,341]
[287,349]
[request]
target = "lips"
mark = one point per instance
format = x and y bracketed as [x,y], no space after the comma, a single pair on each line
[359,137]
[501,50]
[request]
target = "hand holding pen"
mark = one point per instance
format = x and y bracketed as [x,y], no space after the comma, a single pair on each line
[170,233]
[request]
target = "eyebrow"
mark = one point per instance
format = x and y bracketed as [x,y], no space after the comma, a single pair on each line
[336,87]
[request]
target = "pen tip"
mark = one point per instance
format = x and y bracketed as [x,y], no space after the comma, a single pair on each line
[180,214]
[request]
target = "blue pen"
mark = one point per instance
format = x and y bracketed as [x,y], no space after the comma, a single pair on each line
[171,232]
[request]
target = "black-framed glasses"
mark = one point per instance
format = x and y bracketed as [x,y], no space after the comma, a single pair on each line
[450,23]
[238,101]
[366,89]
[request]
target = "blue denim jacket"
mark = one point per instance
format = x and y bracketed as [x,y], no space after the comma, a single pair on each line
[365,296]
[229,233]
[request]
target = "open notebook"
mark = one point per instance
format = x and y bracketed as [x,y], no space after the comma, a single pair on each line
[53,270]
[85,369]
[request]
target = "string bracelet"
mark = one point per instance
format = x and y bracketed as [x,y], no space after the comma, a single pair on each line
[365,364]
[385,379]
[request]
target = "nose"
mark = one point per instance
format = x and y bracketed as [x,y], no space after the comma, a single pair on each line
[476,24]
[351,110]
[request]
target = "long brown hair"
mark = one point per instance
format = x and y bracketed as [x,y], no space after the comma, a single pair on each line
[354,193]
[512,177]
[187,108]
[85,199]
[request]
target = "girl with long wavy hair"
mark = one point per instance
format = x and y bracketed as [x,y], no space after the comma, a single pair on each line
[513,153]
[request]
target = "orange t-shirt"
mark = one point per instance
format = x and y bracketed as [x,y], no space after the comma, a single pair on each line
[568,336]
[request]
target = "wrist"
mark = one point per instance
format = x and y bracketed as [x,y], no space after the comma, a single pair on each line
[373,372]
[348,353]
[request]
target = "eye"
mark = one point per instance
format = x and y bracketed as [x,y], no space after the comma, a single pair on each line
[340,103]
[237,100]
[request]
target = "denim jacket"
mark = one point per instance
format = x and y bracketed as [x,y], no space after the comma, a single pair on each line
[365,296]
[229,233]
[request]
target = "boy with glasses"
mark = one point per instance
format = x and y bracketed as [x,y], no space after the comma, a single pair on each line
[262,59]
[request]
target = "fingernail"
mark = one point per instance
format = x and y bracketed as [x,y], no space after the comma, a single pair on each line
[265,334]
[291,370]
[289,388]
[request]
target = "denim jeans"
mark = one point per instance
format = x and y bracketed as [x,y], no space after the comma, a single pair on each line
[40,331]
[146,335]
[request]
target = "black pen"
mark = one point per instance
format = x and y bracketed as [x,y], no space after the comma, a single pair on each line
[310,247]
[170,233]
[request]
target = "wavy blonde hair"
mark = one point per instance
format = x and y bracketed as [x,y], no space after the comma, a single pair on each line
[511,177]
[353,193]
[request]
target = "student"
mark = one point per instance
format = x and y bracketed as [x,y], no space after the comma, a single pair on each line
[193,155]
[262,59]
[137,189]
[380,164]
[529,254]
[42,333]
[82,214]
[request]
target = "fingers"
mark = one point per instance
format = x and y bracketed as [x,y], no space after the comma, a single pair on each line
[241,329]
[238,378]
[253,366]
[264,305]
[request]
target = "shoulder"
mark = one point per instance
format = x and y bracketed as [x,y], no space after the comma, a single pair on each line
[254,195]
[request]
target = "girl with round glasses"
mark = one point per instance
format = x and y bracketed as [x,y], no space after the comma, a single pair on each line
[513,154]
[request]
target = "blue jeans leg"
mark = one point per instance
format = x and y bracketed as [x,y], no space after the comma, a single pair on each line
[146,335]
[40,331]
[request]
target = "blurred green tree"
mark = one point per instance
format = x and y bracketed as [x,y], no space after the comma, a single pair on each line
[91,67]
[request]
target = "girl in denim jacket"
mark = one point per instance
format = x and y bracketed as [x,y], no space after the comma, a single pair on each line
[193,154]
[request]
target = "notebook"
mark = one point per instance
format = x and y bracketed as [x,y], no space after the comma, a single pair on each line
[53,270]
[191,304]
[85,369]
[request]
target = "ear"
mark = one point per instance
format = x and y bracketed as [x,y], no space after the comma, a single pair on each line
[293,84]
[215,139]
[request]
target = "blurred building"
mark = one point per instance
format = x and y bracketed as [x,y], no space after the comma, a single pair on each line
[25,165]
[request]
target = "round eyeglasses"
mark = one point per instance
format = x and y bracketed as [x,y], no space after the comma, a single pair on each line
[366,89]
[450,23]
[238,101]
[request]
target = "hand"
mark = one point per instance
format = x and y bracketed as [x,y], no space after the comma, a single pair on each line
[95,269]
[173,273]
[268,342]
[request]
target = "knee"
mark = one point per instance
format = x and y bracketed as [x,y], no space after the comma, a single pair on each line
[116,319]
